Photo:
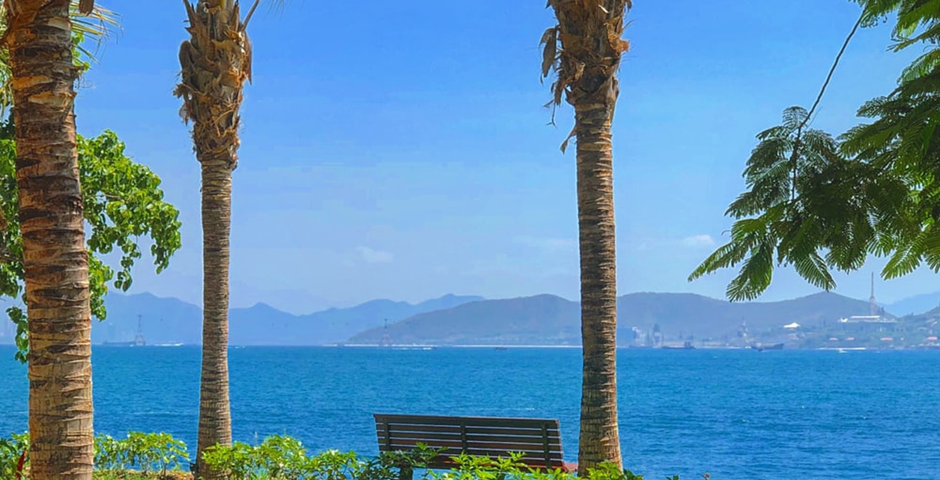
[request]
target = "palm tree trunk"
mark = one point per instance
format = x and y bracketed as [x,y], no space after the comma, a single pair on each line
[54,255]
[215,422]
[599,438]
[215,63]
[584,49]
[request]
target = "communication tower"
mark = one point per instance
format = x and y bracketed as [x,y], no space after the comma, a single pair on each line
[139,338]
[386,338]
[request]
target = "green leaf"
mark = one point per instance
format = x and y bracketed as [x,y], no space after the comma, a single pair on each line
[123,203]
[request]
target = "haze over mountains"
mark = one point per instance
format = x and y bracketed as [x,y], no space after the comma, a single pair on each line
[914,305]
[169,320]
[453,319]
[551,320]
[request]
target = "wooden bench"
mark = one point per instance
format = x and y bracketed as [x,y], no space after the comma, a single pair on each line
[539,440]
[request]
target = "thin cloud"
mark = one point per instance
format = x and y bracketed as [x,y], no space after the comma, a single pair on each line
[698,241]
[370,255]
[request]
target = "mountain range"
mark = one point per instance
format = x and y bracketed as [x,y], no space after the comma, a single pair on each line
[547,319]
[914,305]
[456,319]
[169,320]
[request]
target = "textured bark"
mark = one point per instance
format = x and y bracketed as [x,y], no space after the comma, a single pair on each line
[215,63]
[54,255]
[599,438]
[215,422]
[584,49]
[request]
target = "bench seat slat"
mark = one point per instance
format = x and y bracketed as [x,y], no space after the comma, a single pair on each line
[455,450]
[471,431]
[538,440]
[531,463]
[423,428]
[527,457]
[474,421]
[537,465]
[430,438]
[471,428]
[552,431]
[457,443]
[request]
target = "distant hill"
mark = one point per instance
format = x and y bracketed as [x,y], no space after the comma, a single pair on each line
[265,325]
[452,319]
[915,305]
[704,316]
[164,320]
[551,319]
[169,320]
[547,319]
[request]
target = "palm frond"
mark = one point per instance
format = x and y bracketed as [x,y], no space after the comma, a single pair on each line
[583,50]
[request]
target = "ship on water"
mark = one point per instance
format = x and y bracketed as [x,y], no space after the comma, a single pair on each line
[685,346]
[122,344]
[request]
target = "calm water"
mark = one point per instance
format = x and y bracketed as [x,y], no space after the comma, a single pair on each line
[736,414]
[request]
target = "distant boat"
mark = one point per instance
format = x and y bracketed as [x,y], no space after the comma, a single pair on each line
[761,348]
[685,346]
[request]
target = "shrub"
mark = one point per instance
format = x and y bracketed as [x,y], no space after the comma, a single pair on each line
[144,451]
[284,458]
[149,450]
[11,450]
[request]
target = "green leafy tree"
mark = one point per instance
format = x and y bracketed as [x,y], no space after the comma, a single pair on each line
[819,203]
[123,201]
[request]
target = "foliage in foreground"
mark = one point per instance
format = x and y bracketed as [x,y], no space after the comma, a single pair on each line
[284,458]
[146,454]
[10,451]
[819,202]
[158,456]
[122,200]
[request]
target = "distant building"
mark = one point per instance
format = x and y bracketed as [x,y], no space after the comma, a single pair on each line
[868,319]
[868,323]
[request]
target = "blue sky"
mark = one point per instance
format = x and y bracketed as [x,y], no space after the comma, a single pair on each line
[401,149]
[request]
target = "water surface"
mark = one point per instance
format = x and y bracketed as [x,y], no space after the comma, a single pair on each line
[736,414]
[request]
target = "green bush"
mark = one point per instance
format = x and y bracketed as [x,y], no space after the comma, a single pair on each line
[284,458]
[10,451]
[142,451]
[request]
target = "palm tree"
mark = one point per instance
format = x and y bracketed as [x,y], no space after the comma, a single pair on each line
[215,63]
[584,50]
[39,41]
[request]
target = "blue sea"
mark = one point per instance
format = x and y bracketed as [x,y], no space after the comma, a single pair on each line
[737,414]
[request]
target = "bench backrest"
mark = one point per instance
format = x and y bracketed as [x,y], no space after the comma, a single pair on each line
[538,439]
